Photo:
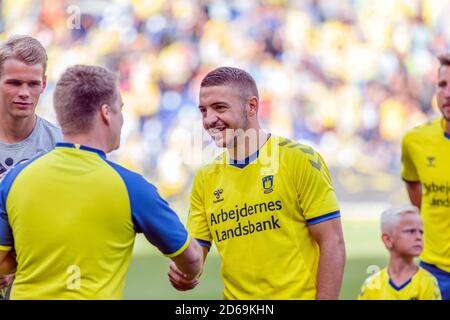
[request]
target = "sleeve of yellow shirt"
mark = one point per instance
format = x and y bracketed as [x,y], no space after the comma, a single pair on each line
[365,293]
[431,289]
[315,191]
[409,171]
[197,221]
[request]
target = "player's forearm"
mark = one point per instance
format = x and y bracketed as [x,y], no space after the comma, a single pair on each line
[331,269]
[415,193]
[190,262]
[7,263]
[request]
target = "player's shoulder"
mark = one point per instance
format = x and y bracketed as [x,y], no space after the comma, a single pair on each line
[132,179]
[295,153]
[214,165]
[426,276]
[379,275]
[423,131]
[376,280]
[291,147]
[52,130]
[7,178]
[48,125]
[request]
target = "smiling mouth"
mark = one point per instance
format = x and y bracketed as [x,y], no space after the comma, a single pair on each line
[216,130]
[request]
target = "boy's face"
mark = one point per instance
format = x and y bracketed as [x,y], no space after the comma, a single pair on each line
[407,237]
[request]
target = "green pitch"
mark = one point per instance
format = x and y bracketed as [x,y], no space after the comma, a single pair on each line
[147,277]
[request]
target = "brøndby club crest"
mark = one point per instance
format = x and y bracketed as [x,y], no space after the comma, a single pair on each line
[267,183]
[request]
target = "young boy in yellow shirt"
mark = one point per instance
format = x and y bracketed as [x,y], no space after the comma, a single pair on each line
[402,279]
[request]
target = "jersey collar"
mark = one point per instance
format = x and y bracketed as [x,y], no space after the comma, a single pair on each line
[243,163]
[446,134]
[101,153]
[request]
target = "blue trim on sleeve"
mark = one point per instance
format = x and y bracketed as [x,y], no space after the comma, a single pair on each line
[434,270]
[6,237]
[325,217]
[204,243]
[446,134]
[393,285]
[101,153]
[151,214]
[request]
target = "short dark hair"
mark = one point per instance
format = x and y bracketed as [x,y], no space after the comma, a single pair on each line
[239,78]
[80,93]
[23,48]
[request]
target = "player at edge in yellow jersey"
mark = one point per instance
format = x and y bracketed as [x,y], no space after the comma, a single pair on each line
[426,172]
[402,235]
[267,203]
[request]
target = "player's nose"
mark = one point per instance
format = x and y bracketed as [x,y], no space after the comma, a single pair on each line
[447,92]
[419,235]
[24,93]
[210,119]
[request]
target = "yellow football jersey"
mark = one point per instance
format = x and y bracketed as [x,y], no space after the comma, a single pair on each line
[257,213]
[72,217]
[426,158]
[422,286]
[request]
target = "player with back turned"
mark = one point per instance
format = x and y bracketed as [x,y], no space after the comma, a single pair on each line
[75,232]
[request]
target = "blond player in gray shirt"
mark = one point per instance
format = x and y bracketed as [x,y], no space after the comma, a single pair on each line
[23,134]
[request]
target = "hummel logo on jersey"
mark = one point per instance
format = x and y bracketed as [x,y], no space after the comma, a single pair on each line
[218,194]
[267,183]
[430,161]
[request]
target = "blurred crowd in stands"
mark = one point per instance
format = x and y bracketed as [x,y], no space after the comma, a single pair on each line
[348,77]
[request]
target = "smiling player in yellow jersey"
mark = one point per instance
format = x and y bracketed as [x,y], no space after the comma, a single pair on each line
[426,171]
[267,203]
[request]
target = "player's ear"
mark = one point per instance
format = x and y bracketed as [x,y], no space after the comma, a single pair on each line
[387,240]
[253,106]
[105,114]
[44,82]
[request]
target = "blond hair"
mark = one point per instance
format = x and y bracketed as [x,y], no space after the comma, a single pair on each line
[25,49]
[391,217]
[80,93]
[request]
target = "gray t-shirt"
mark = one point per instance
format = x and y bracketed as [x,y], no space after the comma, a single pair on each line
[41,140]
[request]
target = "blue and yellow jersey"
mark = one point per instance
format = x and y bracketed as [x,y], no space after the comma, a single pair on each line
[422,286]
[72,216]
[258,212]
[426,158]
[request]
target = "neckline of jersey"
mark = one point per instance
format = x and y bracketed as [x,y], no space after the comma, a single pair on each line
[101,153]
[446,134]
[241,164]
[398,288]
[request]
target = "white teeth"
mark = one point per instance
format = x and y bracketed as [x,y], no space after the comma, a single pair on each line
[216,130]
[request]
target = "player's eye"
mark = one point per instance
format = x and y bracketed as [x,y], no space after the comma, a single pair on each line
[14,83]
[442,84]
